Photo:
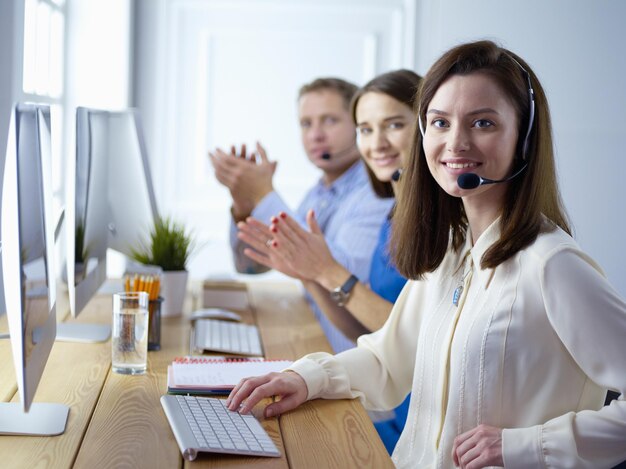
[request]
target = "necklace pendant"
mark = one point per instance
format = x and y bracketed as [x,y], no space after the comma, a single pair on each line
[457,295]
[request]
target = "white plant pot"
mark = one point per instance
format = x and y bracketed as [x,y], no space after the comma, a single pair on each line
[173,289]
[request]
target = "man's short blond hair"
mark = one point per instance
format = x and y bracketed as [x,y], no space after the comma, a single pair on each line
[344,88]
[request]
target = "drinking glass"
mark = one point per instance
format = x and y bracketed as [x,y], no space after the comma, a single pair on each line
[129,340]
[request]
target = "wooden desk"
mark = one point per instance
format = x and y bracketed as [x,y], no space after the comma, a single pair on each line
[116,421]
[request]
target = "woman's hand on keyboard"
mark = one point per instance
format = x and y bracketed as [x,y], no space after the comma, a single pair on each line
[290,386]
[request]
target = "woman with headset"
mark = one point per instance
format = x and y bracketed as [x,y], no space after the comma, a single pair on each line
[383,112]
[508,335]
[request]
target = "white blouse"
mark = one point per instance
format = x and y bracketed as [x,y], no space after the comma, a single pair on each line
[531,347]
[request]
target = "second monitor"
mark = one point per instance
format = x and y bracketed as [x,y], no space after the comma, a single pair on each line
[110,201]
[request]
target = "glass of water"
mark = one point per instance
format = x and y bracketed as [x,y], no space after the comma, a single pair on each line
[129,339]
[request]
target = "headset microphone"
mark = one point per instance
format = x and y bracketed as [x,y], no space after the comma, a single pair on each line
[327,155]
[396,175]
[473,180]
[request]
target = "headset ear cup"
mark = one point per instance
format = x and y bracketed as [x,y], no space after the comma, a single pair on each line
[531,106]
[531,120]
[421,126]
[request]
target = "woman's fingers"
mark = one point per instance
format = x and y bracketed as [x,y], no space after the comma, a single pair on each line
[263,243]
[259,258]
[250,391]
[478,447]
[282,405]
[259,226]
[255,233]
[283,240]
[460,446]
[242,391]
[255,240]
[291,228]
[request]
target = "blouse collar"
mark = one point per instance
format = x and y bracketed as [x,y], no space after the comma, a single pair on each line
[484,242]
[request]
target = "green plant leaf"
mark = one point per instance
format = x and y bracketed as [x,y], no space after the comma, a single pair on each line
[80,250]
[169,247]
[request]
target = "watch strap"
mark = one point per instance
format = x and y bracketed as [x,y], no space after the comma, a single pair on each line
[349,284]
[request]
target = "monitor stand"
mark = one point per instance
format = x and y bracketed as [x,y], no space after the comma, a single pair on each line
[87,332]
[74,332]
[82,332]
[43,419]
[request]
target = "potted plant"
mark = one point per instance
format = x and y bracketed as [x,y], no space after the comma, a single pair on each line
[169,247]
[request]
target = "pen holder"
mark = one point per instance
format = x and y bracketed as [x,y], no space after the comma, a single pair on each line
[154,324]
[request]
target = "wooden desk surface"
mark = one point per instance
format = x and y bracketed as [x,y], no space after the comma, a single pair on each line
[116,421]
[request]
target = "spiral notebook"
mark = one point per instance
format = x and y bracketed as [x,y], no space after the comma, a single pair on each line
[216,375]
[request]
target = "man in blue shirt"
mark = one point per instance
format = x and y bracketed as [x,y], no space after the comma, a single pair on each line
[346,208]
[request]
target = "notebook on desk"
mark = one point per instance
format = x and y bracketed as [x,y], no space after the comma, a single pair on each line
[208,375]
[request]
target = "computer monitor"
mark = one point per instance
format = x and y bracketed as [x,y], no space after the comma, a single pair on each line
[131,194]
[110,198]
[87,214]
[28,265]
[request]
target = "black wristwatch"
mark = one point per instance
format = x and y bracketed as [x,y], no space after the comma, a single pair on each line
[341,294]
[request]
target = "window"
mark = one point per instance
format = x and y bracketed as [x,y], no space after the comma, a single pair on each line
[44,23]
[43,70]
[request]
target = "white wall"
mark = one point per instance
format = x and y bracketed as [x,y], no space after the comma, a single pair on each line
[576,47]
[99,54]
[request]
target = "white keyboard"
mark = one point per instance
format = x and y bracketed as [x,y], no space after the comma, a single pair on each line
[226,336]
[205,424]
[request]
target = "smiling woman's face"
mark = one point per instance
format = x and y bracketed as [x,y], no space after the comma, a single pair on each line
[385,131]
[471,127]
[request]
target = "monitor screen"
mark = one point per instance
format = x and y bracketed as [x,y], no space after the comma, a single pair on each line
[87,218]
[114,204]
[28,246]
[131,194]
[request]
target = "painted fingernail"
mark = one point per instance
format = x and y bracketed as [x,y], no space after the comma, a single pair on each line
[273,229]
[274,220]
[283,215]
[275,243]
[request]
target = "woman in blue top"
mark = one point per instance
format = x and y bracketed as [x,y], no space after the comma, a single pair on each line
[383,113]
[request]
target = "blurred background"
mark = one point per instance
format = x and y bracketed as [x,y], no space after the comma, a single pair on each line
[211,73]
